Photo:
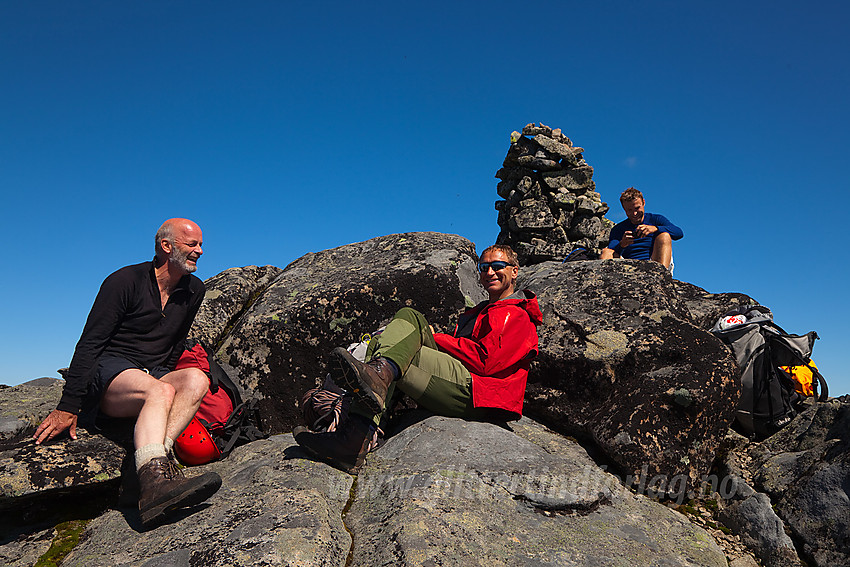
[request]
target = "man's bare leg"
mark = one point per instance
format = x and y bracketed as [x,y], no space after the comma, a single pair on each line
[135,393]
[662,249]
[608,254]
[190,386]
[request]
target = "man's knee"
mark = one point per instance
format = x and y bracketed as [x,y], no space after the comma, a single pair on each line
[162,391]
[663,239]
[189,381]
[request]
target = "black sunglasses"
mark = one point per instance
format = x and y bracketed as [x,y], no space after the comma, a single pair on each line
[497,265]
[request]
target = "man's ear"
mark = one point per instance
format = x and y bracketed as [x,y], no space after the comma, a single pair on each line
[165,245]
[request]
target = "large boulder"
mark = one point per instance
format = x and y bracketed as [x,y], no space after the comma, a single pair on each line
[327,299]
[450,492]
[805,469]
[625,361]
[270,511]
[620,362]
[704,308]
[24,406]
[54,470]
[750,514]
[229,294]
[442,492]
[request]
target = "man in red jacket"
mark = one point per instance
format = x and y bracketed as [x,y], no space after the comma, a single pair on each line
[478,372]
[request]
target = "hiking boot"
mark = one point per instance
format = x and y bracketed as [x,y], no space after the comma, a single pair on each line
[165,489]
[346,448]
[128,491]
[368,382]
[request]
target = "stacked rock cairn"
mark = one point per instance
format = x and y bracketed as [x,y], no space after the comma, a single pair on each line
[550,205]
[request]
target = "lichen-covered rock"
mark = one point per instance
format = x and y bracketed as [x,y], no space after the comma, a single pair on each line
[577,180]
[456,493]
[624,360]
[704,308]
[761,529]
[271,510]
[620,362]
[535,216]
[24,406]
[228,296]
[330,298]
[32,473]
[805,469]
[29,470]
[22,546]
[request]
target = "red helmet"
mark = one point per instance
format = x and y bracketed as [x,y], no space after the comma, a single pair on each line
[195,446]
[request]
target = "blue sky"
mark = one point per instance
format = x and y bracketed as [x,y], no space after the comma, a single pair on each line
[284,128]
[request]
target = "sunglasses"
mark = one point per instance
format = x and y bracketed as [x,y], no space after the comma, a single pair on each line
[497,265]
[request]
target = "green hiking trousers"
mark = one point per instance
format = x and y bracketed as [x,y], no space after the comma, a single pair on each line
[436,381]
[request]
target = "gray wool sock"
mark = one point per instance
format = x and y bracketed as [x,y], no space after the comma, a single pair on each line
[145,454]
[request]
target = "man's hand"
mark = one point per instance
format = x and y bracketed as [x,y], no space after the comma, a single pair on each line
[54,424]
[644,230]
[627,240]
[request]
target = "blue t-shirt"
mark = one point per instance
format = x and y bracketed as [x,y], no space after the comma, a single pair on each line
[641,249]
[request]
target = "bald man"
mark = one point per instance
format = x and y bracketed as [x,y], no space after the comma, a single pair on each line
[123,366]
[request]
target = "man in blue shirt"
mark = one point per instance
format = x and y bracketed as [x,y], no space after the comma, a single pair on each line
[642,236]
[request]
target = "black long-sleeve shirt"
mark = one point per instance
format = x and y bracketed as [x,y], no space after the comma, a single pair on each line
[128,320]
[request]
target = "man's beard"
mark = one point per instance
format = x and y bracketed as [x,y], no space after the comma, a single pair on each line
[179,257]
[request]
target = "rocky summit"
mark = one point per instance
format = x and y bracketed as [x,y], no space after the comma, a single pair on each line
[628,404]
[625,455]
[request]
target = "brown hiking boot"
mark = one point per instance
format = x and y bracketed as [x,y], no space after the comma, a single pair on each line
[164,489]
[368,382]
[346,448]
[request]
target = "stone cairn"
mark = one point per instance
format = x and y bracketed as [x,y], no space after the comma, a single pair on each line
[550,205]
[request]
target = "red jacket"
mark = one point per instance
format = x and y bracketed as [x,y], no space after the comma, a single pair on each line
[498,350]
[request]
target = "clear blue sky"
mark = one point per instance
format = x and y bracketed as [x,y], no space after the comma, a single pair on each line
[290,127]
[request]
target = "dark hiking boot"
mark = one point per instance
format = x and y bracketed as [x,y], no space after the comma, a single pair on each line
[368,382]
[165,489]
[128,491]
[346,448]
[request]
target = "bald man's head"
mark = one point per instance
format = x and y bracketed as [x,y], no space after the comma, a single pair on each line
[179,241]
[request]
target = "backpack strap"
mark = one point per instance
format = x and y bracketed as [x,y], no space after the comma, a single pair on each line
[240,427]
[219,377]
[821,381]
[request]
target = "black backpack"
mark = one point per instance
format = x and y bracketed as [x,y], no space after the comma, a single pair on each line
[761,347]
[578,254]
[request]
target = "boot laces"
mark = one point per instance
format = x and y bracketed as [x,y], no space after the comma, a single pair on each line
[171,470]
